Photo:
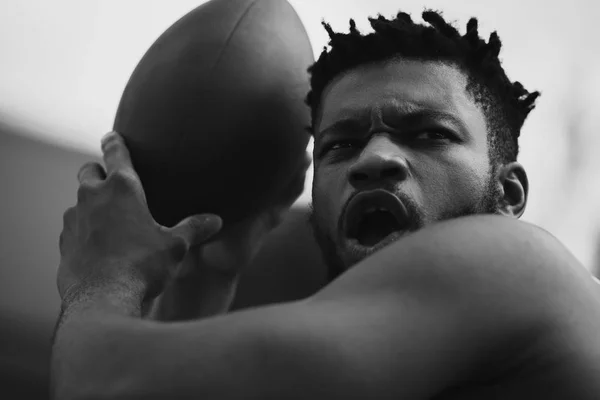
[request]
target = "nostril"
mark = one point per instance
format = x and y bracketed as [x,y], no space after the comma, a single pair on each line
[359,176]
[390,172]
[383,174]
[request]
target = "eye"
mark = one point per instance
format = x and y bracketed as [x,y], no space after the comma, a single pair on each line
[339,145]
[433,135]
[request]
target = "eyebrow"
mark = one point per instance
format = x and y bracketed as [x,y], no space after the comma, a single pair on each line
[356,126]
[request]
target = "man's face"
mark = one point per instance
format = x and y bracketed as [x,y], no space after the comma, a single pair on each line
[397,146]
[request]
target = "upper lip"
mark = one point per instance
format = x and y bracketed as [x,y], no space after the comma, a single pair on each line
[373,198]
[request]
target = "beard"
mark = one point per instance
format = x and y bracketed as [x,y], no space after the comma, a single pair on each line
[417,219]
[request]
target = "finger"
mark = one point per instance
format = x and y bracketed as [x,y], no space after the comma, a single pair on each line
[91,173]
[68,225]
[197,229]
[115,154]
[60,242]
[69,217]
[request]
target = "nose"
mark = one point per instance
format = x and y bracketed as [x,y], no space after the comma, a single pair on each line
[381,161]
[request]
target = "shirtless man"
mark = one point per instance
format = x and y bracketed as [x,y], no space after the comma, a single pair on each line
[437,290]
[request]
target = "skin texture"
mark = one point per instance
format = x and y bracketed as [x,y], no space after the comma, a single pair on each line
[438,166]
[389,328]
[469,308]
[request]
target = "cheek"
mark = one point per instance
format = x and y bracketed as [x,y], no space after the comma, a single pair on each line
[327,193]
[453,181]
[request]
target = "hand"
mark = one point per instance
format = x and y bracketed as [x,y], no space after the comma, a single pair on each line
[110,237]
[235,247]
[205,283]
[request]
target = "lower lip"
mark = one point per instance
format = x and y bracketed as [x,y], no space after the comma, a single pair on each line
[355,246]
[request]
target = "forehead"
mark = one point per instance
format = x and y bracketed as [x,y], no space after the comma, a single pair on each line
[398,85]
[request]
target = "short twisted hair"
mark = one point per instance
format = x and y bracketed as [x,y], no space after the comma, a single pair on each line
[505,104]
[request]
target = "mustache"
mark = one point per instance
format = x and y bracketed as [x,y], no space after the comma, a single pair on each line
[415,216]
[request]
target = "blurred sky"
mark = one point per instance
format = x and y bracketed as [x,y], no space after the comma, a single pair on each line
[64,64]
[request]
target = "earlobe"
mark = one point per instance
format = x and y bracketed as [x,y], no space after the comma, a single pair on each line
[515,189]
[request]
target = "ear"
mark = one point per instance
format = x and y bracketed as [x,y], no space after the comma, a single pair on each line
[514,187]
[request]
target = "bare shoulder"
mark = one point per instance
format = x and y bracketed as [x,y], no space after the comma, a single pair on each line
[448,307]
[451,306]
[477,255]
[498,291]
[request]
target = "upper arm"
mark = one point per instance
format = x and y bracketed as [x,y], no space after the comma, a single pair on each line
[455,304]
[365,347]
[378,347]
[425,314]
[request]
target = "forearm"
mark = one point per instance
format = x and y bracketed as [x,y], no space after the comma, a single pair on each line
[194,297]
[198,290]
[103,350]
[89,348]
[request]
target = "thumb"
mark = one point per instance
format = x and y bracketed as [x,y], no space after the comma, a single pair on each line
[197,229]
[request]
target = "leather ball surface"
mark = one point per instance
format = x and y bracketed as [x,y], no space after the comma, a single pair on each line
[214,114]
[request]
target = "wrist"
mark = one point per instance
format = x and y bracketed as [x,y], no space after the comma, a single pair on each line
[121,297]
[206,294]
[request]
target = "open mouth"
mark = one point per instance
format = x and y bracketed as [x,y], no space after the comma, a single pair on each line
[373,216]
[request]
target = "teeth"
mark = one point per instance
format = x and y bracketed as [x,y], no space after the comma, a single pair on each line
[373,209]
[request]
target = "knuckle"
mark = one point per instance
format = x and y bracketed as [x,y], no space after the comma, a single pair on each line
[61,243]
[68,214]
[89,164]
[177,248]
[119,184]
[122,179]
[82,169]
[97,168]
[69,220]
[88,167]
[84,191]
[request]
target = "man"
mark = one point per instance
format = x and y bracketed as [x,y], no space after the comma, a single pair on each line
[414,127]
